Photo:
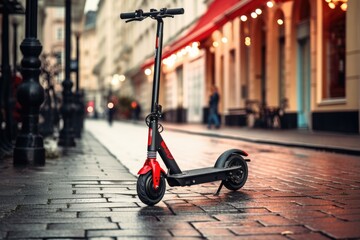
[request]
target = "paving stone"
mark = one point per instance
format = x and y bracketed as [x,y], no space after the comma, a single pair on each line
[188,218]
[77,200]
[185,233]
[285,230]
[129,233]
[101,205]
[226,224]
[218,232]
[38,215]
[56,220]
[98,213]
[86,209]
[76,196]
[85,225]
[349,217]
[241,216]
[153,224]
[312,236]
[22,227]
[256,237]
[47,234]
[42,206]
[102,238]
[275,221]
[338,229]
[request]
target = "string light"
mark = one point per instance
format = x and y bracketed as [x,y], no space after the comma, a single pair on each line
[190,50]
[253,15]
[258,11]
[344,6]
[243,18]
[247,41]
[147,72]
[333,3]
[224,39]
[280,22]
[122,78]
[270,4]
[215,44]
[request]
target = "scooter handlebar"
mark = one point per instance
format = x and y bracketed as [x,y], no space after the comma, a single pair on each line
[128,15]
[140,13]
[175,11]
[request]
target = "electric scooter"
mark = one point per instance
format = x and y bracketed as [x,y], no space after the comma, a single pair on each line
[230,168]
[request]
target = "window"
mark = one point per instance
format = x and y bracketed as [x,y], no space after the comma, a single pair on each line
[334,52]
[60,33]
[60,12]
[58,56]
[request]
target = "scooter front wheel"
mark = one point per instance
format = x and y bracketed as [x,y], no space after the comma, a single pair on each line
[236,181]
[146,191]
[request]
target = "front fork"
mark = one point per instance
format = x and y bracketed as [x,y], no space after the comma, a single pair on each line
[151,164]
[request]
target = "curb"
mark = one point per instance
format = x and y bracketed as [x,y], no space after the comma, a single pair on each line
[334,149]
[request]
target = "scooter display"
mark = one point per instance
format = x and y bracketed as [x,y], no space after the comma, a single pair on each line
[230,168]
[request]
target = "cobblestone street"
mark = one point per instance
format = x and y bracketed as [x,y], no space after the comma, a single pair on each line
[291,193]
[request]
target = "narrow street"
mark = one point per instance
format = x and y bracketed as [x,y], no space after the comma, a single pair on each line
[291,190]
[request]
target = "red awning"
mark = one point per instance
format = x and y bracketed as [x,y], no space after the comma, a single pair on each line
[218,13]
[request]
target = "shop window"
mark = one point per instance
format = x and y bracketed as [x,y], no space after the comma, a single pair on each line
[334,33]
[180,91]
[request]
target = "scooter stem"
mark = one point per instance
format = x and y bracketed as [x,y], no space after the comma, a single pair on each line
[157,67]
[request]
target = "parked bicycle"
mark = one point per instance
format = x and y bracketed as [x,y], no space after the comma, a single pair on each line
[262,116]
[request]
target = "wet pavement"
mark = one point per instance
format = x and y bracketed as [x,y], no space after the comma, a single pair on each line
[291,193]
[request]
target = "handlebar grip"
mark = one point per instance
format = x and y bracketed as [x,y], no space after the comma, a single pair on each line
[175,11]
[127,15]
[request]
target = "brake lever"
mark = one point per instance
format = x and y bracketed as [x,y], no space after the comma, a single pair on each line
[135,19]
[165,16]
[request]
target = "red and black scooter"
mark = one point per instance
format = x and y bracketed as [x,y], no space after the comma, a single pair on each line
[230,168]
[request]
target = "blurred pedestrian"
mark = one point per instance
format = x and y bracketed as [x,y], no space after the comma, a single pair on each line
[213,108]
[111,112]
[136,109]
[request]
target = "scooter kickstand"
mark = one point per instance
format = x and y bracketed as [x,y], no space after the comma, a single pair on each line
[219,189]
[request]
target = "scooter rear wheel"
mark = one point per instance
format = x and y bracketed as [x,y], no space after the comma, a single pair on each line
[146,191]
[236,181]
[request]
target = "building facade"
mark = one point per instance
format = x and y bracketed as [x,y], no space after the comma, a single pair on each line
[88,59]
[54,40]
[105,67]
[138,44]
[299,56]
[301,51]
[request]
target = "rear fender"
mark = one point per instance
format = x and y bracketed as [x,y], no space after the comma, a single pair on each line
[220,162]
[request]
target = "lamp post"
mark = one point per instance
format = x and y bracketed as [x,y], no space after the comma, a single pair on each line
[29,147]
[66,138]
[15,46]
[79,105]
[5,145]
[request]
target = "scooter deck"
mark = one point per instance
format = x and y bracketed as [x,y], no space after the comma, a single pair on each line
[202,175]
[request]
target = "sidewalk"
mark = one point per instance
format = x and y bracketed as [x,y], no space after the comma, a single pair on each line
[88,194]
[326,141]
